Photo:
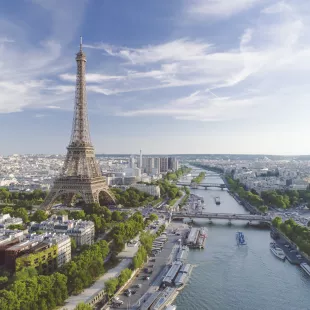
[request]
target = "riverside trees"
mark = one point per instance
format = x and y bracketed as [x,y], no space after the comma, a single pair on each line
[299,234]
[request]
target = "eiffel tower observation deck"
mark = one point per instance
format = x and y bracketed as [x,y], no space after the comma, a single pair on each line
[81,173]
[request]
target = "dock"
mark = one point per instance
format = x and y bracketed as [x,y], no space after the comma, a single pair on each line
[196,238]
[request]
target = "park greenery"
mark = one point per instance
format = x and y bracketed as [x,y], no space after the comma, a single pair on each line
[298,234]
[125,231]
[113,284]
[35,292]
[174,176]
[251,197]
[82,306]
[272,198]
[84,269]
[208,167]
[22,199]
[199,178]
[132,198]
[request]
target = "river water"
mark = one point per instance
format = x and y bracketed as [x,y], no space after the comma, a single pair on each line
[244,278]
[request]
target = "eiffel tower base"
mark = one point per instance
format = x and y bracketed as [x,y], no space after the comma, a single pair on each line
[89,189]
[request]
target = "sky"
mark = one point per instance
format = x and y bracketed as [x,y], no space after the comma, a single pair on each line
[167,77]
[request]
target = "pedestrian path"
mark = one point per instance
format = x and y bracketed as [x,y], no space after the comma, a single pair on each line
[89,293]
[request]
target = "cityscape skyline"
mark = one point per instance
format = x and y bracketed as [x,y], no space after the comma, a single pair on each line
[187,76]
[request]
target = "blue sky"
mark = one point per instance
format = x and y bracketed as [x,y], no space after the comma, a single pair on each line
[196,76]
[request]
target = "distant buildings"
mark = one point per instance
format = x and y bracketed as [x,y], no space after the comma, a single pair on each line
[153,190]
[6,220]
[156,165]
[83,232]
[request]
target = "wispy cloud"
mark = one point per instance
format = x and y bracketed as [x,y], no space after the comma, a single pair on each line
[28,71]
[39,115]
[272,47]
[219,8]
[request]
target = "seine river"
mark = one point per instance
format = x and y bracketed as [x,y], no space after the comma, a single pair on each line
[244,278]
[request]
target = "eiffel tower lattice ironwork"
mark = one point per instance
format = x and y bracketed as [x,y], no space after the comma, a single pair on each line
[81,173]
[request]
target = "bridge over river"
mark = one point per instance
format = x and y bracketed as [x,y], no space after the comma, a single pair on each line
[205,185]
[223,216]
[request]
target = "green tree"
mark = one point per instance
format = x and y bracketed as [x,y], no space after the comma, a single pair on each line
[22,213]
[111,286]
[39,216]
[77,215]
[16,226]
[82,306]
[73,245]
[124,276]
[153,217]
[117,216]
[7,210]
[277,221]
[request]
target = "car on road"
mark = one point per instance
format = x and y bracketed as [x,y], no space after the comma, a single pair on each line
[128,292]
[116,302]
[139,285]
[146,278]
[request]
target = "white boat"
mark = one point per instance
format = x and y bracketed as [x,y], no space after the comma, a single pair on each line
[306,268]
[278,252]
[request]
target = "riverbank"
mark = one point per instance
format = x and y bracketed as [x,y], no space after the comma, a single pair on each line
[228,277]
[147,290]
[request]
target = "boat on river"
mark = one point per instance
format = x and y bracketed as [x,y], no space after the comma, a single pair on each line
[306,268]
[278,252]
[240,238]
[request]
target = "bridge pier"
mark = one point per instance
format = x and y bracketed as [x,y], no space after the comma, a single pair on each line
[229,222]
[210,221]
[206,187]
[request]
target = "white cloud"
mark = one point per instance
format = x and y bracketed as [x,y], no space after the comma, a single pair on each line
[28,70]
[177,50]
[6,40]
[220,8]
[273,57]
[279,7]
[54,107]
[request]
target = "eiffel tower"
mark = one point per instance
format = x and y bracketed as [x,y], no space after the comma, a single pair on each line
[81,173]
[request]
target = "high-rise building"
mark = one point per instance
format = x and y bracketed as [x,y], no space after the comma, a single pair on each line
[163,164]
[140,166]
[173,163]
[81,173]
[149,165]
[132,162]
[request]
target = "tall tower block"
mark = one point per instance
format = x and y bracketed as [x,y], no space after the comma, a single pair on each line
[140,159]
[81,173]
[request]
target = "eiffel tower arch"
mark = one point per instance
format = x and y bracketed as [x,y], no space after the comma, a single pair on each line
[81,173]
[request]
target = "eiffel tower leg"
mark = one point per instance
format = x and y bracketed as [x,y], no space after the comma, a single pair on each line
[68,199]
[108,195]
[49,200]
[89,198]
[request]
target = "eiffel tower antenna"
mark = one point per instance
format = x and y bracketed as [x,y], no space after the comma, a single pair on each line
[81,173]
